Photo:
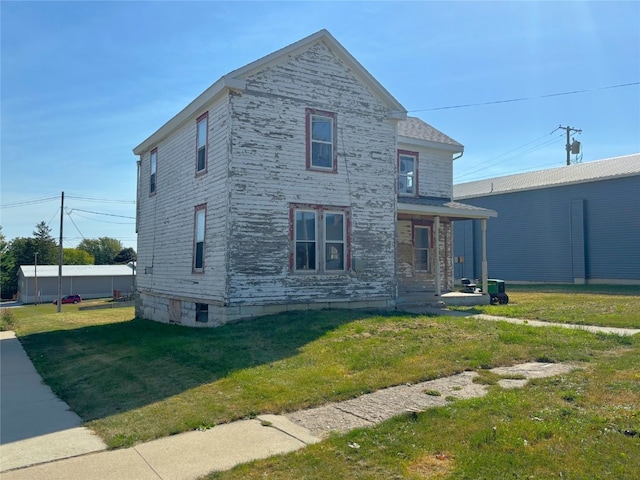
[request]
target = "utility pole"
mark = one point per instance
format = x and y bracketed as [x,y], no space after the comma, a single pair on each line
[59,305]
[568,146]
[35,270]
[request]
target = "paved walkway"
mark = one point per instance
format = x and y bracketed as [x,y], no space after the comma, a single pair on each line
[42,438]
[35,426]
[520,321]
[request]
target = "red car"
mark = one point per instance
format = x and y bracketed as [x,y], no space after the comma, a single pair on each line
[69,299]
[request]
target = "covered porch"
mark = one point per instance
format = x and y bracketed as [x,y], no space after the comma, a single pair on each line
[425,268]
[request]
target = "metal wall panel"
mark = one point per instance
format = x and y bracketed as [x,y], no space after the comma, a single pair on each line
[536,236]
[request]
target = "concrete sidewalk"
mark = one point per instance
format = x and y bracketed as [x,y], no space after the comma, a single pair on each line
[35,425]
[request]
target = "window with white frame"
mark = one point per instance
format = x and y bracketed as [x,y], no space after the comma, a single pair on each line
[421,247]
[202,128]
[198,238]
[407,173]
[320,239]
[321,140]
[152,171]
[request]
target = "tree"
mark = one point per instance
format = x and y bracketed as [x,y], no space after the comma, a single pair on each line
[7,265]
[103,249]
[22,251]
[45,245]
[76,256]
[126,255]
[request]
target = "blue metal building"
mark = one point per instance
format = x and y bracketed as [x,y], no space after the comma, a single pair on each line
[573,224]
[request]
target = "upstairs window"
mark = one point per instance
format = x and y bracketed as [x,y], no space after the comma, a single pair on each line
[201,143]
[321,140]
[407,173]
[152,171]
[320,239]
[198,240]
[421,246]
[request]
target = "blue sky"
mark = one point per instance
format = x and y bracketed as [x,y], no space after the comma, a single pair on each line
[85,82]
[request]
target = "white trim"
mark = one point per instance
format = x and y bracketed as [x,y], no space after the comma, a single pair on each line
[416,142]
[445,211]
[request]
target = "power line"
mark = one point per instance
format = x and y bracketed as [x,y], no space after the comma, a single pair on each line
[532,149]
[68,212]
[102,200]
[102,221]
[24,203]
[522,99]
[101,213]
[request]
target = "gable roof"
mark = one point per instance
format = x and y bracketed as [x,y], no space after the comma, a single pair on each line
[235,81]
[28,271]
[414,128]
[617,167]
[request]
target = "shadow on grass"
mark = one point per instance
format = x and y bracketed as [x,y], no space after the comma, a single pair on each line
[108,369]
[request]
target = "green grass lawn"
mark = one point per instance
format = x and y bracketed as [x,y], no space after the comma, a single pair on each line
[607,306]
[134,380]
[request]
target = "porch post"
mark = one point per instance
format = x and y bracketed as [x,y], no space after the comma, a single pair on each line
[485,282]
[436,233]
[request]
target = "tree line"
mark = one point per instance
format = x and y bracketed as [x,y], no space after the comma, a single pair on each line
[23,250]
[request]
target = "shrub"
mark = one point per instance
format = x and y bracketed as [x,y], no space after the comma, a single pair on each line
[7,320]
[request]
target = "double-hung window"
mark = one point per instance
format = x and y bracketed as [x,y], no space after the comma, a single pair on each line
[202,128]
[321,140]
[320,239]
[198,238]
[306,240]
[421,247]
[407,173]
[334,240]
[152,171]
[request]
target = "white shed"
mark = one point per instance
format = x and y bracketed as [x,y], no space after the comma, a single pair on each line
[88,281]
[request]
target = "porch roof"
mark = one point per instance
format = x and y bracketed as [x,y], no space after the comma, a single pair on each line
[442,207]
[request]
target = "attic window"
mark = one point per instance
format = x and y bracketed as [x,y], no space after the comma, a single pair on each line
[152,175]
[321,140]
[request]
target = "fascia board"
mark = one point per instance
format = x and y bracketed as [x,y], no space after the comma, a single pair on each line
[428,144]
[445,211]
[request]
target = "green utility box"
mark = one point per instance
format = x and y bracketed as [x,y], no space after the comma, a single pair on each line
[497,290]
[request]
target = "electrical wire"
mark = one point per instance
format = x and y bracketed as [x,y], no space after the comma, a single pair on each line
[522,99]
[68,212]
[101,200]
[101,213]
[25,203]
[102,221]
[512,157]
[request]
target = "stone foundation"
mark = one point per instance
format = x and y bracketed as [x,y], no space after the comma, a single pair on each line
[182,311]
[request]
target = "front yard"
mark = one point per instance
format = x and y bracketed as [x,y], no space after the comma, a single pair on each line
[134,380]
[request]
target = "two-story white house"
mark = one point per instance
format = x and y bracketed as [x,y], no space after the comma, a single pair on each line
[296,182]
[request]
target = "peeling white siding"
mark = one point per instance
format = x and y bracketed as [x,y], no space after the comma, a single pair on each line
[268,173]
[166,219]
